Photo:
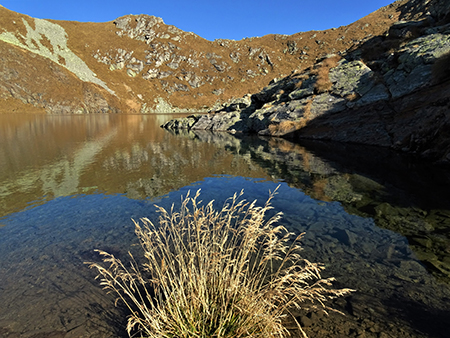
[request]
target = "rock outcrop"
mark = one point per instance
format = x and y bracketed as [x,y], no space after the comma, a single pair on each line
[391,91]
[137,61]
[383,80]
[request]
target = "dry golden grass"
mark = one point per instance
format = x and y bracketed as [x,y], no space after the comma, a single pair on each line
[331,61]
[323,83]
[208,273]
[307,115]
[298,84]
[352,97]
[282,128]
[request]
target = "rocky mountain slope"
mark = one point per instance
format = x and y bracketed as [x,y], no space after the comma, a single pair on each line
[139,64]
[383,80]
[390,90]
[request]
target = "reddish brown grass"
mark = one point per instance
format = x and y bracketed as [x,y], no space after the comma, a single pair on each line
[298,84]
[352,97]
[323,83]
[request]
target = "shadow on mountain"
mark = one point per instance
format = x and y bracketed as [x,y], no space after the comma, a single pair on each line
[416,10]
[391,90]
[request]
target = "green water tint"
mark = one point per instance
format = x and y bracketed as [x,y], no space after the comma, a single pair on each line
[71,184]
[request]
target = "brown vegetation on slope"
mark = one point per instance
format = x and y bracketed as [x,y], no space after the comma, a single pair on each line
[41,84]
[221,69]
[322,71]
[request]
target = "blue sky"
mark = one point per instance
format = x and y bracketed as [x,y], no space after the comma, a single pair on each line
[232,19]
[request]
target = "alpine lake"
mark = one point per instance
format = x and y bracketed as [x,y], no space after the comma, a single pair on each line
[379,221]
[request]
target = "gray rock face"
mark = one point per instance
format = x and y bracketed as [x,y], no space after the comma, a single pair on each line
[236,104]
[269,93]
[385,106]
[351,77]
[401,82]
[182,123]
[218,122]
[415,64]
[377,93]
[327,104]
[213,122]
[239,104]
[355,78]
[305,90]
[143,30]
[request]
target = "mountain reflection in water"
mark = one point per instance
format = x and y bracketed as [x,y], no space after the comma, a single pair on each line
[70,184]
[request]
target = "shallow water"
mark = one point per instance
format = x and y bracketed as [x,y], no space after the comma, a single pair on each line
[379,222]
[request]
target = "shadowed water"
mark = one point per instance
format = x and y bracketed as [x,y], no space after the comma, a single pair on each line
[71,184]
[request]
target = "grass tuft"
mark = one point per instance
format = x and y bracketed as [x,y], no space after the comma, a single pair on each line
[207,273]
[323,83]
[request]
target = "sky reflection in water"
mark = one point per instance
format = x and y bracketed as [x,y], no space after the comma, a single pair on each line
[70,185]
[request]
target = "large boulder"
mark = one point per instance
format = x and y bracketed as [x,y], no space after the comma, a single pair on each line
[351,77]
[274,90]
[415,60]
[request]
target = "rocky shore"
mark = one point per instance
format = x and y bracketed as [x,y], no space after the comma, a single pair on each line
[383,80]
[391,91]
[394,191]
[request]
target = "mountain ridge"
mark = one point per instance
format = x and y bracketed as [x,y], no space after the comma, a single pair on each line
[382,80]
[147,66]
[390,90]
